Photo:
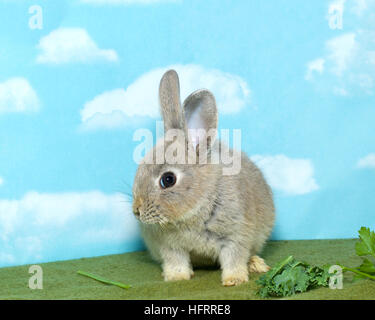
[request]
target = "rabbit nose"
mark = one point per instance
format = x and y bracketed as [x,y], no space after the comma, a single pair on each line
[136,206]
[136,212]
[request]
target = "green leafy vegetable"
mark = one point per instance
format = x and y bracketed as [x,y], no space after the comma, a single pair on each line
[365,247]
[100,279]
[367,266]
[290,276]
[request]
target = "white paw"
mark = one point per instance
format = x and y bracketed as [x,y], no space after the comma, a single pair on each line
[234,280]
[176,274]
[234,277]
[258,265]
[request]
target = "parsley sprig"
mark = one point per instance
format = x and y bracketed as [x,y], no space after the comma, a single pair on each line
[365,247]
[290,276]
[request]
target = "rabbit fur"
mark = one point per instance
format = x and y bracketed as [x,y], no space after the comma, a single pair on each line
[206,217]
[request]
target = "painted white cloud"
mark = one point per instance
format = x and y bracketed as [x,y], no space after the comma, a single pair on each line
[357,7]
[288,175]
[341,52]
[361,6]
[1,181]
[367,161]
[316,65]
[33,227]
[66,45]
[349,58]
[116,108]
[17,95]
[340,91]
[125,2]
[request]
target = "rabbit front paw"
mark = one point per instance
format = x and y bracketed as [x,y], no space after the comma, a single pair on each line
[177,273]
[234,278]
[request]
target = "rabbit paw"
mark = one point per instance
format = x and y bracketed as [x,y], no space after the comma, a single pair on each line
[234,278]
[258,265]
[176,274]
[234,281]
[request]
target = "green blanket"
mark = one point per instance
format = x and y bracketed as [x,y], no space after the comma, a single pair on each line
[61,281]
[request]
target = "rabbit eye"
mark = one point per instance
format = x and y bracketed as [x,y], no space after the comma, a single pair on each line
[168,179]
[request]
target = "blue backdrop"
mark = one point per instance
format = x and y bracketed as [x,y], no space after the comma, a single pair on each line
[77,78]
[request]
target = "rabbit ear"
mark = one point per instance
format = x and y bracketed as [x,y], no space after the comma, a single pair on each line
[170,105]
[201,113]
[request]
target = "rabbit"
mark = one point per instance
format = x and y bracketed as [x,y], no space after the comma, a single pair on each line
[192,214]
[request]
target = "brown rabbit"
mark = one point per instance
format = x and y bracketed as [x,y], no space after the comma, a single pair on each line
[191,214]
